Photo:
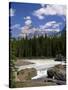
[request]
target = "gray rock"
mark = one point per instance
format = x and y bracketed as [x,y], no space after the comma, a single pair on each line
[58,72]
[50,73]
[60,75]
[59,57]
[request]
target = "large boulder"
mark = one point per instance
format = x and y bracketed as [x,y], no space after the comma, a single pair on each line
[26,74]
[58,72]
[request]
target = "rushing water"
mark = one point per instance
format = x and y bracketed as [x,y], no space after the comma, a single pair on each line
[41,65]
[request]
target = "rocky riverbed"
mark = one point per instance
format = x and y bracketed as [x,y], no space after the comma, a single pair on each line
[50,73]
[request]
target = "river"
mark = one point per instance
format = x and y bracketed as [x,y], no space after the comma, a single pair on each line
[41,65]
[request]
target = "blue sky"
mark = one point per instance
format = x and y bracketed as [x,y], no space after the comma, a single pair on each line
[42,16]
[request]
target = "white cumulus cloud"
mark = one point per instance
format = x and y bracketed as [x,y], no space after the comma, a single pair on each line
[25,30]
[12,12]
[51,25]
[15,26]
[27,17]
[28,22]
[50,10]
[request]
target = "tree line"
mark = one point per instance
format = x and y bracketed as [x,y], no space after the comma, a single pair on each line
[40,47]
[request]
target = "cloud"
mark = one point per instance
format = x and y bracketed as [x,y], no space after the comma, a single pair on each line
[50,10]
[39,13]
[51,23]
[28,22]
[17,26]
[43,5]
[40,17]
[12,12]
[52,30]
[56,25]
[27,17]
[51,26]
[24,31]
[26,28]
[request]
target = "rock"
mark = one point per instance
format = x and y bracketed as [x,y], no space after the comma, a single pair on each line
[59,57]
[58,72]
[26,74]
[60,75]
[58,82]
[50,73]
[59,66]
